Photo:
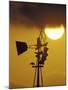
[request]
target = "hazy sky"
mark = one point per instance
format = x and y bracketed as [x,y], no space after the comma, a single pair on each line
[26,20]
[37,14]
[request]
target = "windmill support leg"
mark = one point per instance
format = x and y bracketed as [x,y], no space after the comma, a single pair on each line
[34,78]
[41,77]
[38,76]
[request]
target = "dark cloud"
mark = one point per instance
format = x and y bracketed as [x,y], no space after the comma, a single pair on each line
[37,13]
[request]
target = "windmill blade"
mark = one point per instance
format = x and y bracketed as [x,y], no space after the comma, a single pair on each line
[21,47]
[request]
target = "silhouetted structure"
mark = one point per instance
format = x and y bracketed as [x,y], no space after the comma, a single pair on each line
[41,57]
[41,54]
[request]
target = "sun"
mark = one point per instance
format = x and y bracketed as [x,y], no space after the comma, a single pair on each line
[54,33]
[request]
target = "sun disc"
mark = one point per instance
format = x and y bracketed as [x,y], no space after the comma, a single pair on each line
[54,33]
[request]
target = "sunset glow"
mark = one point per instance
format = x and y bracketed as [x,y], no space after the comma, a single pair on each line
[54,33]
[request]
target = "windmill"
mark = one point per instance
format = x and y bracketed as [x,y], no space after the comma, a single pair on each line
[41,55]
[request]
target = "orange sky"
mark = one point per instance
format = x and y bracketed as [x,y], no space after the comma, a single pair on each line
[24,29]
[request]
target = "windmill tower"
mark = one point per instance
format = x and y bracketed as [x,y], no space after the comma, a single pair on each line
[41,54]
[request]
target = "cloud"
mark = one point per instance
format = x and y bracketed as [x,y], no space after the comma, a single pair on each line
[37,13]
